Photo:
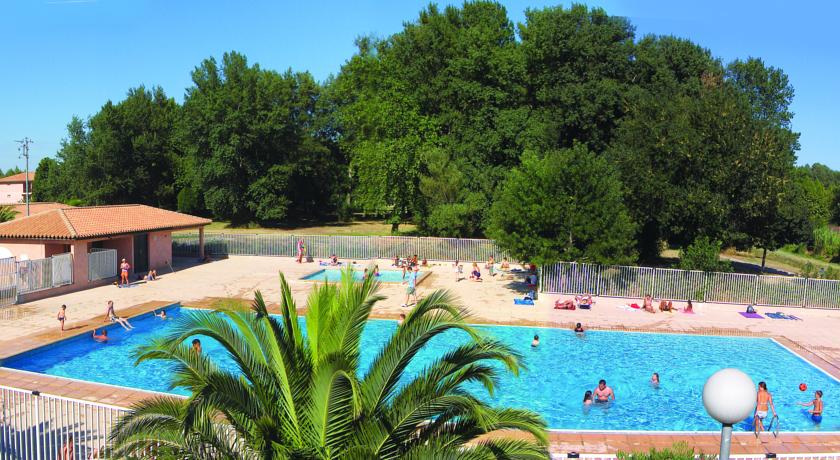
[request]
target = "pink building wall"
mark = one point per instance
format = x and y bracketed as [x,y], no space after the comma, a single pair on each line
[11,193]
[160,250]
[125,249]
[32,249]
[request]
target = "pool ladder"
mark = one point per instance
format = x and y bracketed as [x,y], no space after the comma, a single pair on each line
[773,427]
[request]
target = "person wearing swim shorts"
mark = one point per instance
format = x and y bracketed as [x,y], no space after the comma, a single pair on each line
[764,402]
[817,404]
[411,290]
[124,268]
[603,393]
[62,316]
[111,315]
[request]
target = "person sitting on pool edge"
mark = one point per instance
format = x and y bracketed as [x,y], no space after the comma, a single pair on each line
[817,403]
[536,342]
[603,393]
[103,337]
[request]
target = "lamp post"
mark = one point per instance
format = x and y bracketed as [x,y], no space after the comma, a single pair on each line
[729,397]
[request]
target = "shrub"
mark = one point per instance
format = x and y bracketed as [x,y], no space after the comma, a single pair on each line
[679,451]
[827,242]
[703,254]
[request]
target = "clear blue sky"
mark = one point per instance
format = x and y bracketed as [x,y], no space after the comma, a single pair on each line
[67,57]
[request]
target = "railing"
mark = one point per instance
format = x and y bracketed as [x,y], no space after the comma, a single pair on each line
[40,274]
[664,283]
[46,427]
[102,264]
[345,247]
[8,281]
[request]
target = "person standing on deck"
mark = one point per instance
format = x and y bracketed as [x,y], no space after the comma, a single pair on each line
[301,248]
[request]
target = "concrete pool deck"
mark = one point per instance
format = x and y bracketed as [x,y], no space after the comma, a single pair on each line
[34,324]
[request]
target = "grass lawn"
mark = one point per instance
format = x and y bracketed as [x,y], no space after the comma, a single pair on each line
[781,260]
[355,228]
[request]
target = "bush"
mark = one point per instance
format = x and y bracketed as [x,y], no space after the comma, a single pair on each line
[679,451]
[826,242]
[704,254]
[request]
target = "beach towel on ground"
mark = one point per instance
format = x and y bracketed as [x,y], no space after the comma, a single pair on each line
[750,315]
[780,315]
[523,302]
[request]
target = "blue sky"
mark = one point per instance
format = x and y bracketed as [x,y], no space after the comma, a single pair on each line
[67,57]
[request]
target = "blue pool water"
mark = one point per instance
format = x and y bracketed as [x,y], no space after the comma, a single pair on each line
[334,275]
[559,371]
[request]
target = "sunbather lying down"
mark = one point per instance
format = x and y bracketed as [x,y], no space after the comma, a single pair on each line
[567,304]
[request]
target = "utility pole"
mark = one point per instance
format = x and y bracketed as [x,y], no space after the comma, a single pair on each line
[24,148]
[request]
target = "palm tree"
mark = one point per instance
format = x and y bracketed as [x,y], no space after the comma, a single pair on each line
[7,213]
[303,396]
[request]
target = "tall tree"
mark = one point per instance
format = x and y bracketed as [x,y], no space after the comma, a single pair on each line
[306,395]
[565,206]
[251,134]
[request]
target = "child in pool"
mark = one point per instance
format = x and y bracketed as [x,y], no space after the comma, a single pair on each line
[817,404]
[587,398]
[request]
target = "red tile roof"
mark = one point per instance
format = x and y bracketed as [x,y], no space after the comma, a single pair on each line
[97,221]
[17,178]
[36,207]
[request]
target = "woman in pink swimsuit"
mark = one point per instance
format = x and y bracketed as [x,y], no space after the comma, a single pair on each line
[124,268]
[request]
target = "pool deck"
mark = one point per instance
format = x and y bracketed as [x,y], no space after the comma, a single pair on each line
[27,326]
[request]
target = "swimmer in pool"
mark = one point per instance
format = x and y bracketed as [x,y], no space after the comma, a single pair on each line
[654,380]
[603,393]
[103,337]
[764,402]
[536,342]
[401,320]
[196,346]
[587,398]
[161,315]
[817,404]
[578,329]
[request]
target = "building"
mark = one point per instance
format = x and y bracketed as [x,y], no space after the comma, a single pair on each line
[13,188]
[92,239]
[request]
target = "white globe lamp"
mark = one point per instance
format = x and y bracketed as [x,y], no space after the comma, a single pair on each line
[729,396]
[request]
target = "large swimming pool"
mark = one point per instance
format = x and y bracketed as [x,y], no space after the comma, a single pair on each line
[559,371]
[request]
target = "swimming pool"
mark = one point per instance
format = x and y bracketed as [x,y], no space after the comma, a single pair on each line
[559,371]
[385,276]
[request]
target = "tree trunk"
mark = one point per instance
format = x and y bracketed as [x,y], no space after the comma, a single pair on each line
[763,259]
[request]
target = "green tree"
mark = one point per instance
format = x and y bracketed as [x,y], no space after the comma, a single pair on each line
[305,395]
[253,139]
[703,254]
[565,206]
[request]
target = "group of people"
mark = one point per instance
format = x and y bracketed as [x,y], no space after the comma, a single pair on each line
[601,394]
[584,301]
[110,316]
[664,306]
[125,269]
[764,405]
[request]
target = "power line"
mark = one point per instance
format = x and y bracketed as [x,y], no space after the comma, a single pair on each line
[24,148]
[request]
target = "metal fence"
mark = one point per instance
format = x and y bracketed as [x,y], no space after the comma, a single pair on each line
[47,427]
[665,283]
[345,247]
[8,281]
[102,264]
[40,274]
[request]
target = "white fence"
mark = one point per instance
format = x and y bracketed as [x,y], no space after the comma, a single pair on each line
[345,247]
[41,426]
[8,281]
[664,283]
[40,274]
[102,264]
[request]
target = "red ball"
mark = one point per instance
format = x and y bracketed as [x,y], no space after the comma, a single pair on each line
[803,387]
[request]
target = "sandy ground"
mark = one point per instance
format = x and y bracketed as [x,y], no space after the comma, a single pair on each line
[489,301]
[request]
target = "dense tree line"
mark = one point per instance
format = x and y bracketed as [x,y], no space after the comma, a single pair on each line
[566,136]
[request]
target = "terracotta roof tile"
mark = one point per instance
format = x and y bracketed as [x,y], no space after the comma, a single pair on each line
[97,221]
[15,178]
[36,208]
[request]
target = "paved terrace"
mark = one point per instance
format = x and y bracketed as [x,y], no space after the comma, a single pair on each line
[26,326]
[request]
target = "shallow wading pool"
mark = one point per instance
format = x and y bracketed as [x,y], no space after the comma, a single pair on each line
[558,373]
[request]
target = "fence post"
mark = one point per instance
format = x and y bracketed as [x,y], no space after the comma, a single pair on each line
[805,292]
[35,395]
[755,289]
